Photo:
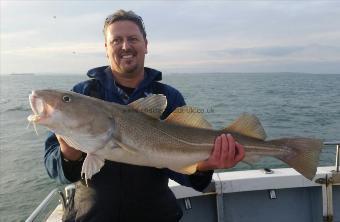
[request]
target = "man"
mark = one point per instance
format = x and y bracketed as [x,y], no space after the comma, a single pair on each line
[123,192]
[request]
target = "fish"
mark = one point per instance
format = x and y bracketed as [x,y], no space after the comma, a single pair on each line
[135,134]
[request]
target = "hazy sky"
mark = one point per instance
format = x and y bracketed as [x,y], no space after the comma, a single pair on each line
[190,36]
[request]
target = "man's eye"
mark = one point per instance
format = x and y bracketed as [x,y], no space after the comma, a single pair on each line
[116,41]
[133,39]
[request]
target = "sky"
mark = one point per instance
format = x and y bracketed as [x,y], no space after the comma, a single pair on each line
[60,37]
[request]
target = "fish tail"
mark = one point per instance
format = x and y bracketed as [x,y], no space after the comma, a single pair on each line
[304,155]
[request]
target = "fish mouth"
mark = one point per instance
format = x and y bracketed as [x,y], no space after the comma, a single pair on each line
[37,106]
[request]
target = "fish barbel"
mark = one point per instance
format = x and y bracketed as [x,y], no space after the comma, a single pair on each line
[134,133]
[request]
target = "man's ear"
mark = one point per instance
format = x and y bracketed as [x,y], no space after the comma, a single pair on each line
[106,50]
[146,46]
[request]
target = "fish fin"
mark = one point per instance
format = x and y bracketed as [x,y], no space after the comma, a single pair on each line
[152,105]
[92,165]
[304,155]
[247,125]
[191,169]
[187,116]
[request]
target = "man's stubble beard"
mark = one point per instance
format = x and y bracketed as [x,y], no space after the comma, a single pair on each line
[129,72]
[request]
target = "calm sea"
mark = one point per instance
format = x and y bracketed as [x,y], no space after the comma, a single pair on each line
[287,105]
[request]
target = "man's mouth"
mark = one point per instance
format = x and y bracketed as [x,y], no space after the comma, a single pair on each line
[127,56]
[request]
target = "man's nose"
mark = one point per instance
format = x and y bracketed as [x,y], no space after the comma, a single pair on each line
[126,45]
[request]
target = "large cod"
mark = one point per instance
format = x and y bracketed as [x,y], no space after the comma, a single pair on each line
[135,134]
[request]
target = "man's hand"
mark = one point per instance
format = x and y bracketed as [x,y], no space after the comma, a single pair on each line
[225,154]
[68,152]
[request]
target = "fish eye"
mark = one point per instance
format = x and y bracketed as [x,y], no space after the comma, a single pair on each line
[67,98]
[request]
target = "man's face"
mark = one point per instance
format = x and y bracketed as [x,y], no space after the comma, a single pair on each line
[125,48]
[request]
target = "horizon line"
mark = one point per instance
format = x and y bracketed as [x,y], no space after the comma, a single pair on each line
[173,73]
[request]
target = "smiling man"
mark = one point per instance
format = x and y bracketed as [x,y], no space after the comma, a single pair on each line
[126,47]
[124,192]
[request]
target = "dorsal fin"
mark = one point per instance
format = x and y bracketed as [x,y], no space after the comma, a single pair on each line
[188,116]
[153,105]
[247,125]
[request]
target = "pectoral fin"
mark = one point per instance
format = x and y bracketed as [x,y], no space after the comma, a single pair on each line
[92,165]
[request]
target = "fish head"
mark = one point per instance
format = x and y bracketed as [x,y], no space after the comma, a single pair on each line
[68,113]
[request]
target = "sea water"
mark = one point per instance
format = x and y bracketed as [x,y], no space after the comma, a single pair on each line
[287,104]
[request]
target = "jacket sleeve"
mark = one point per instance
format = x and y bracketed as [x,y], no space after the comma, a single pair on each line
[63,171]
[199,180]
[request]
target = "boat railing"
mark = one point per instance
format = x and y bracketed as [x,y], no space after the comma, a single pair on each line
[56,195]
[43,205]
[64,199]
[337,155]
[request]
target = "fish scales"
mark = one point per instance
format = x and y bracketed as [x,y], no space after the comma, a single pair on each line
[148,133]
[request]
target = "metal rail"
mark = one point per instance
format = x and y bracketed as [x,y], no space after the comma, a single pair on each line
[331,143]
[327,189]
[337,155]
[42,206]
[337,158]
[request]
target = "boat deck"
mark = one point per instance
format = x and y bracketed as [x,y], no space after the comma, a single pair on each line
[253,195]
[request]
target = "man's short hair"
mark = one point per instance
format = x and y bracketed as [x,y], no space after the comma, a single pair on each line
[122,15]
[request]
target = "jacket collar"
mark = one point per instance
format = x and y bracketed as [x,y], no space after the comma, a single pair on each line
[104,75]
